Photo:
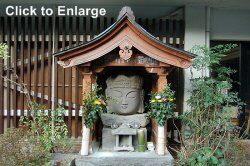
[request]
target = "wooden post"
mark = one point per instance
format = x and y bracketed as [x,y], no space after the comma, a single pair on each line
[1,80]
[87,80]
[161,82]
[76,102]
[86,83]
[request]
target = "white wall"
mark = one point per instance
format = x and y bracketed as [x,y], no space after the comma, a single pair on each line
[230,24]
[195,26]
[195,34]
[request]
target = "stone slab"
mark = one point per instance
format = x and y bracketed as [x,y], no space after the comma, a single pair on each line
[108,140]
[124,159]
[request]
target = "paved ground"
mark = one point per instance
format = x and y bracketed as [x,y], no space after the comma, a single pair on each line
[60,159]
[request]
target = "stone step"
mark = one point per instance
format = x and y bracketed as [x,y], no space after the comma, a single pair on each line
[124,159]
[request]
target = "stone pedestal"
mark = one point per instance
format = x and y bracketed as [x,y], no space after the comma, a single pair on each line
[123,138]
[109,140]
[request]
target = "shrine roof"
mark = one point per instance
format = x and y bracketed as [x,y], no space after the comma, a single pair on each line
[124,20]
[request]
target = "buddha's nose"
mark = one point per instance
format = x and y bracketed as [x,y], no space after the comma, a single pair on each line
[124,103]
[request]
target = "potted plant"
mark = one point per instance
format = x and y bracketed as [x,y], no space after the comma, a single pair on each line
[161,108]
[93,105]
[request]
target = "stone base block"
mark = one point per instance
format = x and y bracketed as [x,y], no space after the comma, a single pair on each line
[125,159]
[108,140]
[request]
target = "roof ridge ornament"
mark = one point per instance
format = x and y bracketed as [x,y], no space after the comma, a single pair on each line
[128,11]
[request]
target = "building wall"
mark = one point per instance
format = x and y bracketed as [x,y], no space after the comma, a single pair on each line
[230,25]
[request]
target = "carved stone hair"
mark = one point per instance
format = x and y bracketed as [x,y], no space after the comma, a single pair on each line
[122,81]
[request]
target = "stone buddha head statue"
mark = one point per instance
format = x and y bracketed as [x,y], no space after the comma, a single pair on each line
[126,94]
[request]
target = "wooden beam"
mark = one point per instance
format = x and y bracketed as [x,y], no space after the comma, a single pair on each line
[50,29]
[56,65]
[22,97]
[43,58]
[1,79]
[63,48]
[29,59]
[70,83]
[14,78]
[8,97]
[35,76]
[76,102]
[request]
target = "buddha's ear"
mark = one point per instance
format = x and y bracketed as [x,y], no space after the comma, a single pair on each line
[106,92]
[141,107]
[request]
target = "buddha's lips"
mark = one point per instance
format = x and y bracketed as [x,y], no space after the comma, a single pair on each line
[124,106]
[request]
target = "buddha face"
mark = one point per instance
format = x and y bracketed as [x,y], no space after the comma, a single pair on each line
[126,94]
[125,100]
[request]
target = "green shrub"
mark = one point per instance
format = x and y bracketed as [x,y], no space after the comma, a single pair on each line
[18,147]
[207,124]
[46,129]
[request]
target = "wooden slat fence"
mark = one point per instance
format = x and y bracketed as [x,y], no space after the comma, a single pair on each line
[31,43]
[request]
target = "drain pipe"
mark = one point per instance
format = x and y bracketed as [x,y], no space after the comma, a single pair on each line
[207,35]
[207,32]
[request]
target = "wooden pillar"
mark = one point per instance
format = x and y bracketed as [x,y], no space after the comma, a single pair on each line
[87,81]
[86,88]
[161,82]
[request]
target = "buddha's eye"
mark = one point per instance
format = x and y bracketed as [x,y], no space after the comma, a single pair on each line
[117,94]
[131,95]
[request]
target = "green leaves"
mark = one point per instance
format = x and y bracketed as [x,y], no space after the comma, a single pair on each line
[93,105]
[43,126]
[205,156]
[3,50]
[209,57]
[162,105]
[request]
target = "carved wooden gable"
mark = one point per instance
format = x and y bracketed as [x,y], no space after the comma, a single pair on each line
[137,59]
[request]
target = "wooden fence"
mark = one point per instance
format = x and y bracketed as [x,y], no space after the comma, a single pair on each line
[31,43]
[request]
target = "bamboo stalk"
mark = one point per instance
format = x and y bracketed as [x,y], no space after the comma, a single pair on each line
[85,141]
[141,141]
[160,141]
